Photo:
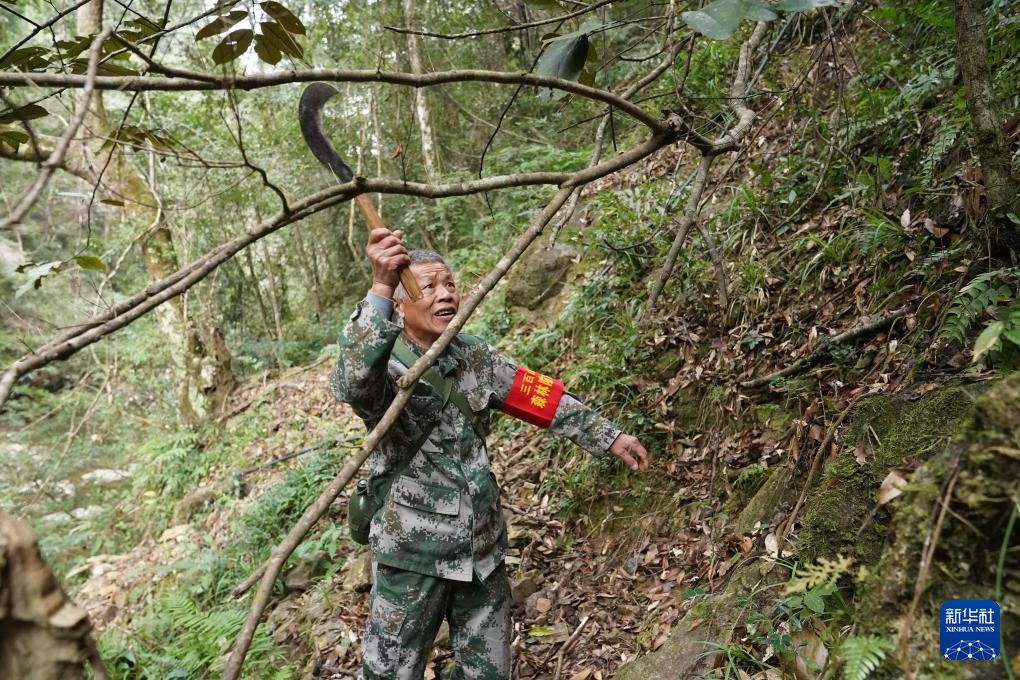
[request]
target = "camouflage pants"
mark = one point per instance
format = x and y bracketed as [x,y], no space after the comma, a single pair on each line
[406,610]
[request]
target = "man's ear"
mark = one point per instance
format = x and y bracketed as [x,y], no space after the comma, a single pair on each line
[398,306]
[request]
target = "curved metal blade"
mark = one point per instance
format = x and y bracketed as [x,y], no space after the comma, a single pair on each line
[310,106]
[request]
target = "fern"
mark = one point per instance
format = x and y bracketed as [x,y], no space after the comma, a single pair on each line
[944,140]
[972,301]
[862,655]
[822,574]
[200,638]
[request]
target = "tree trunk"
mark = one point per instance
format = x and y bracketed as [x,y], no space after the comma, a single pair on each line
[311,270]
[274,299]
[1001,189]
[429,156]
[257,290]
[203,376]
[421,109]
[43,634]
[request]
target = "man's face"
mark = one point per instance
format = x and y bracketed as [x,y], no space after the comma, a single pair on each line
[426,319]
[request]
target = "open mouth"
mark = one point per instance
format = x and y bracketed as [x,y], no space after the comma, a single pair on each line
[446,313]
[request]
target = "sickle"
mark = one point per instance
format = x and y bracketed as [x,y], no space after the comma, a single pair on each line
[310,106]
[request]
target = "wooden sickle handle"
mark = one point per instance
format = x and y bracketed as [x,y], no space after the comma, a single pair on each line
[375,222]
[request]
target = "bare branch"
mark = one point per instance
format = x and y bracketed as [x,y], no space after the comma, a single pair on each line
[505,29]
[710,149]
[867,326]
[56,158]
[188,81]
[160,291]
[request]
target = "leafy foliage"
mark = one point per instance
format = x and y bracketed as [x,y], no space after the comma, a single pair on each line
[863,655]
[570,57]
[973,300]
[277,34]
[823,573]
[194,642]
[720,19]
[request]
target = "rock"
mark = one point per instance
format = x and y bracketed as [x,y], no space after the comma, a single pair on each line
[774,493]
[89,512]
[692,649]
[299,577]
[523,588]
[195,501]
[56,518]
[539,276]
[105,476]
[358,578]
[64,488]
[517,537]
[175,533]
[537,603]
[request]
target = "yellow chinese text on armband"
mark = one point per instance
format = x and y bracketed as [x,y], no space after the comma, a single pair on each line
[533,397]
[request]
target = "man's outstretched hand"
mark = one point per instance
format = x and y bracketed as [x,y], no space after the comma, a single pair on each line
[629,450]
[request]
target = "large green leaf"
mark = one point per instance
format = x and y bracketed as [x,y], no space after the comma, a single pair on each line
[564,57]
[266,51]
[90,262]
[234,45]
[279,38]
[27,112]
[988,339]
[283,16]
[720,19]
[26,58]
[220,24]
[13,137]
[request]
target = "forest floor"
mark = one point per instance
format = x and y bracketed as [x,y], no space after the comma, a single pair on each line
[628,584]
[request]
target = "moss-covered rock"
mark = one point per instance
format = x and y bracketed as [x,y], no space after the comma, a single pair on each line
[985,458]
[842,515]
[540,276]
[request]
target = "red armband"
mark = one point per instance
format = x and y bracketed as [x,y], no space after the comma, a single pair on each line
[533,397]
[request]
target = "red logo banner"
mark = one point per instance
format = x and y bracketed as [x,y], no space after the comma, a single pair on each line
[533,397]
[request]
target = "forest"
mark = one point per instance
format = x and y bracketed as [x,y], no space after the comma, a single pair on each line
[775,241]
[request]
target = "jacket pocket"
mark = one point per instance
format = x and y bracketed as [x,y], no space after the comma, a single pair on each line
[412,493]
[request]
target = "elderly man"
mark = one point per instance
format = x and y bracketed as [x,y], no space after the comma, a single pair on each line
[439,539]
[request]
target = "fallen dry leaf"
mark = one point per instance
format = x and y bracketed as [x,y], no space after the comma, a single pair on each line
[892,486]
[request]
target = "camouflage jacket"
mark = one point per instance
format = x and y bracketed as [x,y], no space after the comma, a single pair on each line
[442,516]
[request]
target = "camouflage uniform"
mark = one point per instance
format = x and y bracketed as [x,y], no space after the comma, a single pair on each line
[439,541]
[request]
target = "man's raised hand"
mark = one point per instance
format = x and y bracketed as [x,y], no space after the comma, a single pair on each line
[387,254]
[629,450]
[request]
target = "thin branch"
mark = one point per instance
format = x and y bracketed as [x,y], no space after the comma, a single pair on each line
[20,16]
[490,31]
[868,326]
[684,226]
[160,291]
[190,81]
[715,254]
[56,158]
[239,140]
[710,149]
[406,384]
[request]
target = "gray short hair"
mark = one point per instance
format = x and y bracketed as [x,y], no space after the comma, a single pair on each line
[419,257]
